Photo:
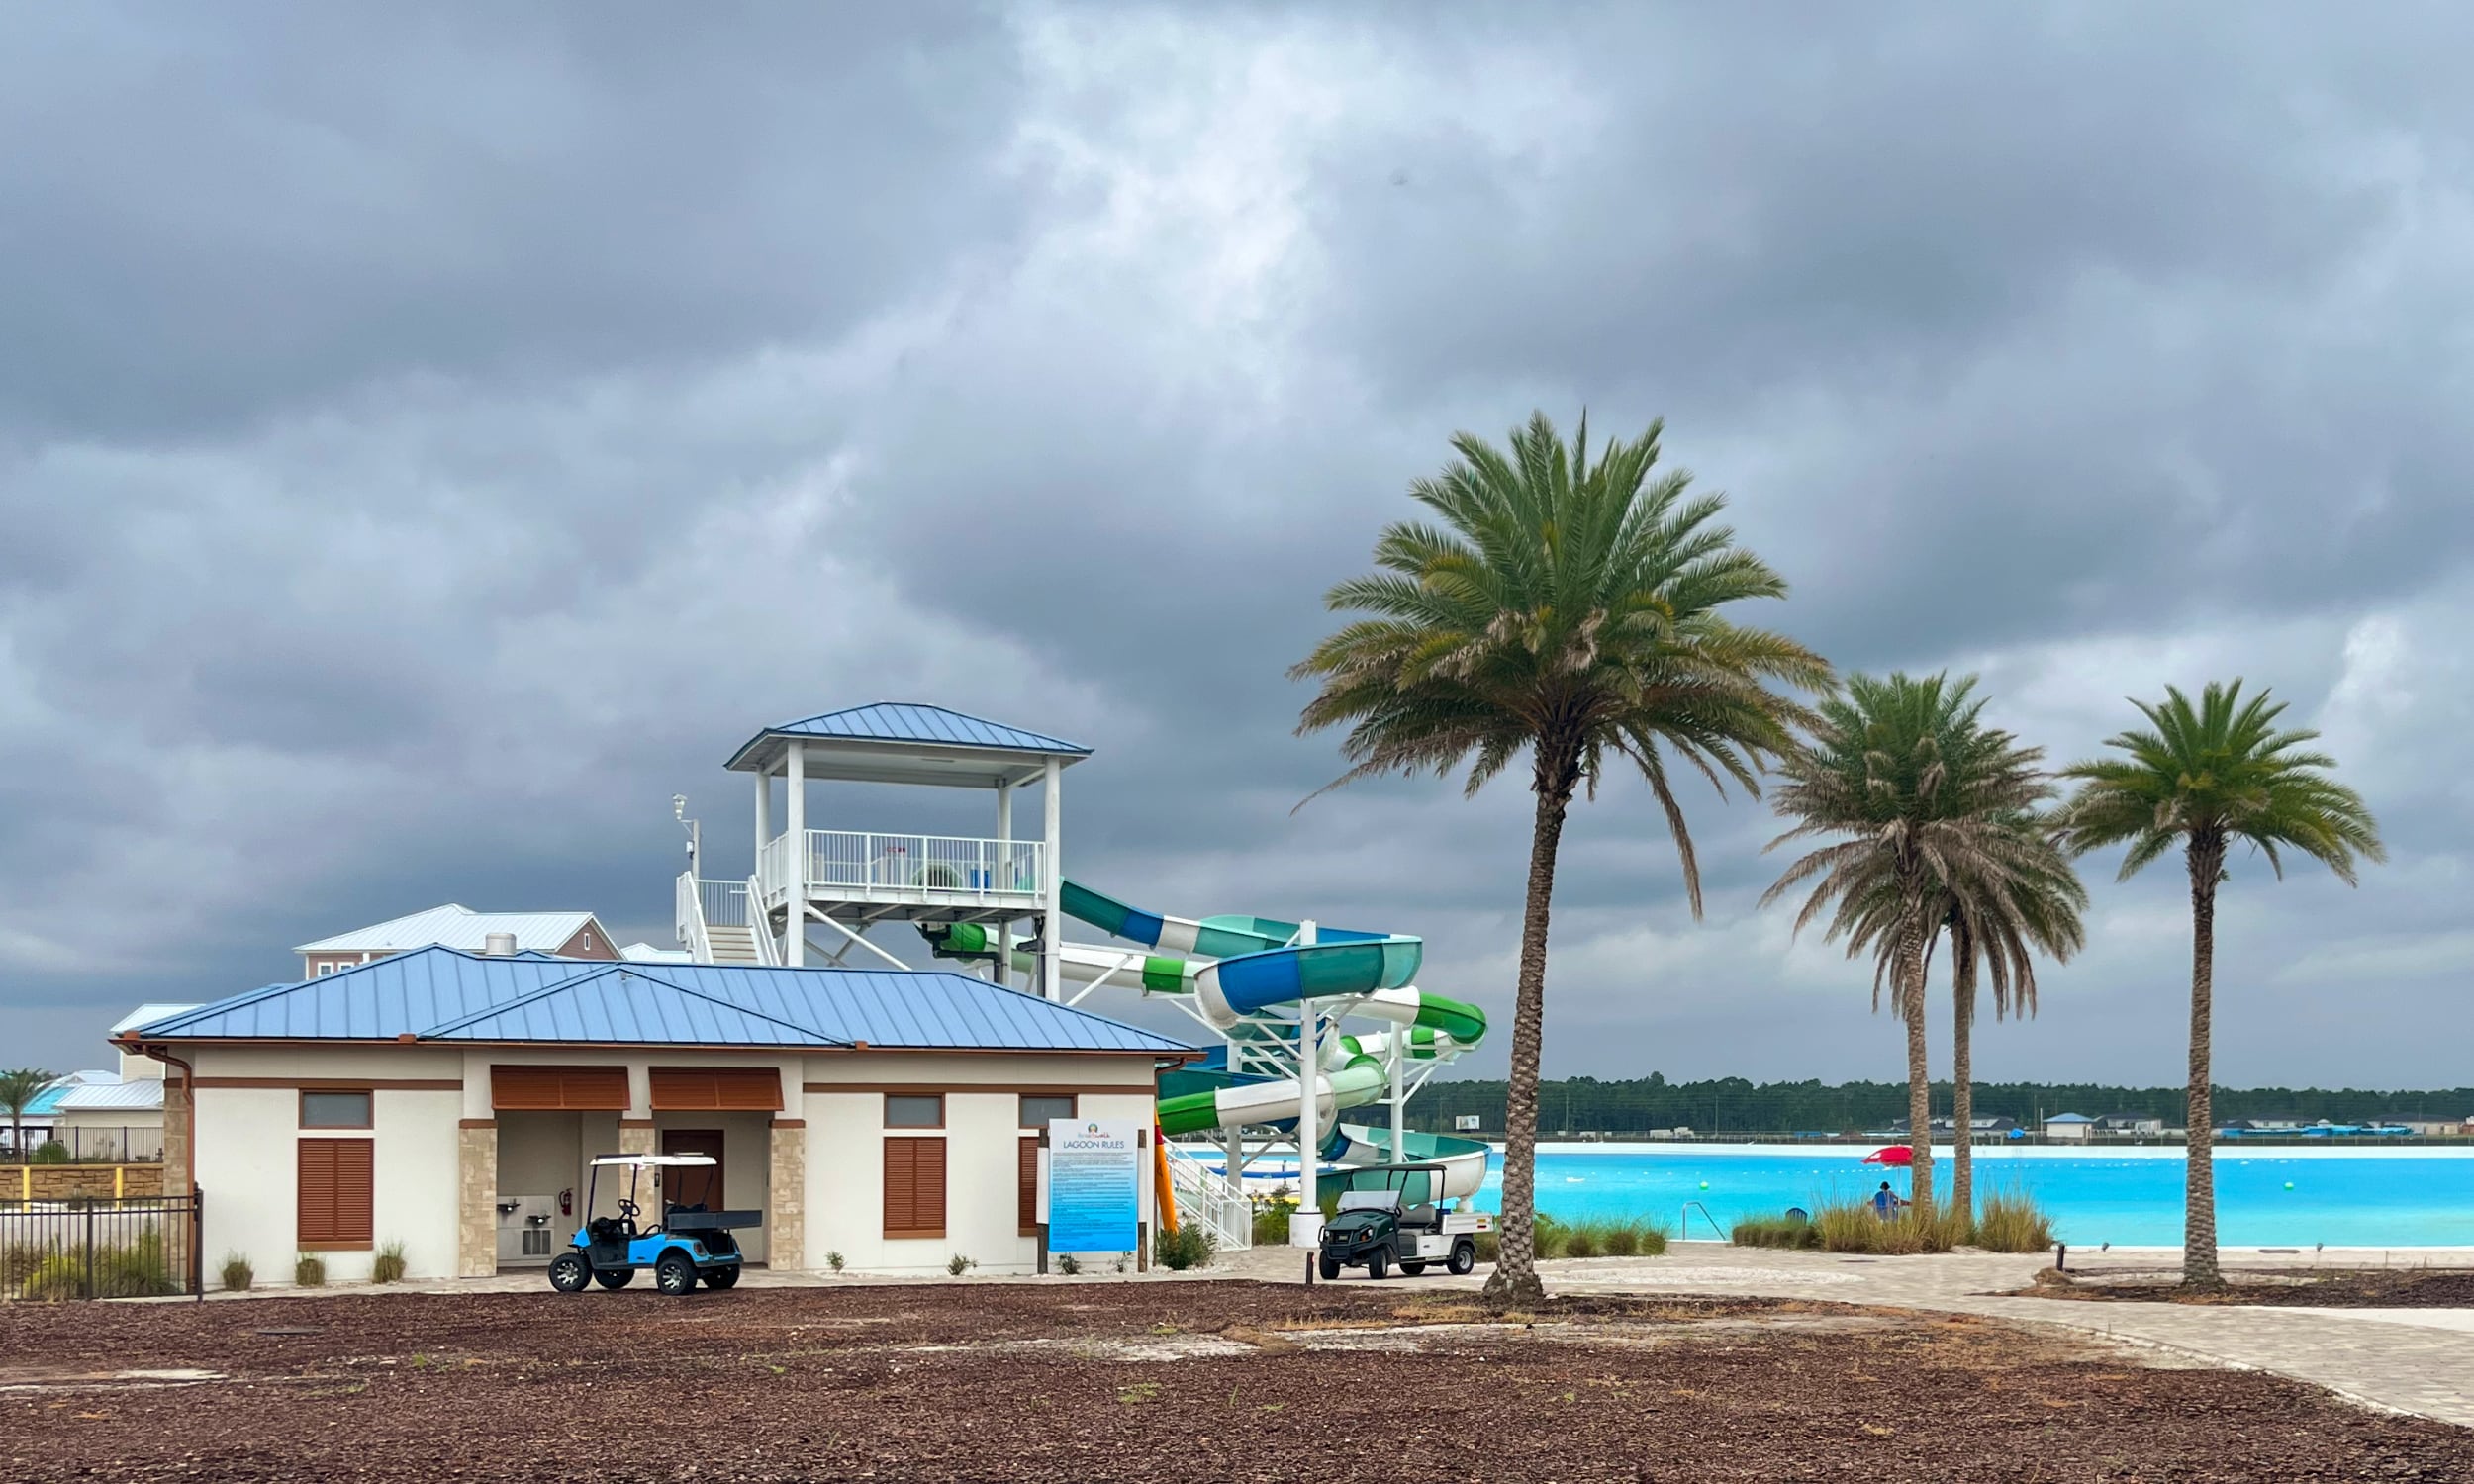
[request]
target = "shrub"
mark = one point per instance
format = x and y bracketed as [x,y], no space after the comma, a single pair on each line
[1580,1240]
[50,1152]
[1781,1230]
[833,1261]
[1180,1248]
[238,1276]
[139,1271]
[388,1267]
[1069,1264]
[18,1261]
[958,1265]
[1271,1219]
[309,1271]
[1851,1226]
[2011,1223]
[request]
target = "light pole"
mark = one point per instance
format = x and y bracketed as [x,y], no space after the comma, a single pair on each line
[695,834]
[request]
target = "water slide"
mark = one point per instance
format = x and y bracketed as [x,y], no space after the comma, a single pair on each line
[1242,965]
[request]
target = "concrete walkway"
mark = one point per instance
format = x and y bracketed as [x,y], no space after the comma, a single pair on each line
[2416,1360]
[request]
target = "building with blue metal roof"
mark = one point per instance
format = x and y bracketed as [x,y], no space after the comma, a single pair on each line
[452,1101]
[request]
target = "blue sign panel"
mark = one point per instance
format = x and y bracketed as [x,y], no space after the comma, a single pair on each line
[1094,1185]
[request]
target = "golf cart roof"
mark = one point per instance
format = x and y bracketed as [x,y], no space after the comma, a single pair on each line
[649,1161]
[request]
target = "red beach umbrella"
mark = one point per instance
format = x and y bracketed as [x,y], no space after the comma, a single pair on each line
[1897,1153]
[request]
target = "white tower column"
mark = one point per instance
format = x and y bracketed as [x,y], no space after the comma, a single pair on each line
[1003,878]
[1053,867]
[764,817]
[795,822]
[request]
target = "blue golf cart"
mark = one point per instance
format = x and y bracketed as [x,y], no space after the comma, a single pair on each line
[690,1244]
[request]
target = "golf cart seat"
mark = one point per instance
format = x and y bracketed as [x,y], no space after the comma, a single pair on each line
[697,1219]
[1428,1217]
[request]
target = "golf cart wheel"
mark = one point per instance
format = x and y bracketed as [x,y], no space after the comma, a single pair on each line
[675,1274]
[1464,1258]
[1328,1266]
[614,1277]
[1377,1265]
[1411,1267]
[569,1272]
[721,1278]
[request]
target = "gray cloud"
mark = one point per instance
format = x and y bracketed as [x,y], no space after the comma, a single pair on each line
[427,444]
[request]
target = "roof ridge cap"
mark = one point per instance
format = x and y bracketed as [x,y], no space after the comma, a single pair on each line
[520,1001]
[637,967]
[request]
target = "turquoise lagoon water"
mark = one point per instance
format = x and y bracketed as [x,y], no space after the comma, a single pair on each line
[2387,1196]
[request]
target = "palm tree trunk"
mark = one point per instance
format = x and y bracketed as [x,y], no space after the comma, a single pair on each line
[1963,1103]
[1919,1085]
[1515,1276]
[2206,854]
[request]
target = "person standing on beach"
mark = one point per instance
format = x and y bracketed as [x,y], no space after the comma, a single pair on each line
[1885,1202]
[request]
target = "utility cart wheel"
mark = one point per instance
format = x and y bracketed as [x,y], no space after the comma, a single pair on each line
[721,1278]
[569,1272]
[1413,1267]
[1463,1257]
[1377,1265]
[1328,1266]
[675,1274]
[615,1277]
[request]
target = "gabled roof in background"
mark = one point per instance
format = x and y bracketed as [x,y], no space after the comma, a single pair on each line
[444,995]
[2063,1117]
[142,1095]
[452,926]
[887,729]
[142,1014]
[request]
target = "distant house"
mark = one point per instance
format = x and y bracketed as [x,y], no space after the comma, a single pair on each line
[2429,1126]
[2073,1126]
[2129,1123]
[565,935]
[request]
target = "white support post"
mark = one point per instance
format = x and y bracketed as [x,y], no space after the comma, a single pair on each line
[1052,867]
[1400,1093]
[858,937]
[795,846]
[1306,1229]
[1003,878]
[764,817]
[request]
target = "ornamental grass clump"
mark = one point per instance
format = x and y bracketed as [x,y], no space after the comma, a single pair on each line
[1794,1233]
[2009,1222]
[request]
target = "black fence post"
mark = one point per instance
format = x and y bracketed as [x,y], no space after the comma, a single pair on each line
[85,1286]
[197,1243]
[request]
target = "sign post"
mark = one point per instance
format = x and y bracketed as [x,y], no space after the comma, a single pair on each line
[1095,1185]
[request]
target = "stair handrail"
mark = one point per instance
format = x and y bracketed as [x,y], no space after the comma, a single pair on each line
[1684,1227]
[689,919]
[1203,1198]
[759,931]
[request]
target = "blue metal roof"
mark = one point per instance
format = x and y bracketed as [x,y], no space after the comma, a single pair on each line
[887,721]
[443,995]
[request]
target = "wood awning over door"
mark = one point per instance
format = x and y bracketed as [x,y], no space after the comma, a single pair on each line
[725,1089]
[558,1088]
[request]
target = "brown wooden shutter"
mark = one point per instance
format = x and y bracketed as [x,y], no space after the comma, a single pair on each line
[914,1186]
[727,1089]
[554,1089]
[338,1189]
[1027,1186]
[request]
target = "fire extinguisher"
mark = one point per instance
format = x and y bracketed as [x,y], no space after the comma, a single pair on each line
[567,1202]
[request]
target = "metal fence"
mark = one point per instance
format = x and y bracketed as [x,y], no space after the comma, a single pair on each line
[88,1248]
[114,1144]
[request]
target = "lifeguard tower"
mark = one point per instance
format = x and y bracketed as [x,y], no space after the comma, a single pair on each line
[849,880]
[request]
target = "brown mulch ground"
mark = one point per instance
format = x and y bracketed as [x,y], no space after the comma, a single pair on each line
[2300,1287]
[1199,1382]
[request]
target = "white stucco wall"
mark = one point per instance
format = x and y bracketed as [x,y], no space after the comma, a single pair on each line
[846,1136]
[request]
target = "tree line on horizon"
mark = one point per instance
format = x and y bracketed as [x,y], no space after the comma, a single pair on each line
[1569,610]
[1720,1104]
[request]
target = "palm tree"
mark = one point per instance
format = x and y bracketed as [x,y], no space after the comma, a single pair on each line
[2001,933]
[1569,609]
[18,1091]
[2204,777]
[1925,802]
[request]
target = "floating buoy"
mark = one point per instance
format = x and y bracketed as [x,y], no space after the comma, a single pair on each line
[2289,1184]
[1705,1184]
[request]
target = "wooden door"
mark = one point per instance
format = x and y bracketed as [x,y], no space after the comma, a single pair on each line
[694,1185]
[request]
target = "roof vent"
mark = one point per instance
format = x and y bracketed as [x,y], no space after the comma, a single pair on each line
[499,945]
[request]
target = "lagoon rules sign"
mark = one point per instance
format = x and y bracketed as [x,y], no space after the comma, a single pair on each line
[1094,1185]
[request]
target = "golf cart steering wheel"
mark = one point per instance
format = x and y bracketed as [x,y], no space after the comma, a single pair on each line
[628,1210]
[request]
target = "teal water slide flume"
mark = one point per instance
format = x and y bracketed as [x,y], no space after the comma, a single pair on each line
[1244,965]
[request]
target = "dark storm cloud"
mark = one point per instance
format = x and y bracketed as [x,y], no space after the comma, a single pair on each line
[431,439]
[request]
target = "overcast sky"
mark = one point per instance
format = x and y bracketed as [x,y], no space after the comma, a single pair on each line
[432,436]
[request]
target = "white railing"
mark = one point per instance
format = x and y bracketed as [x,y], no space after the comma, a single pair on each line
[688,916]
[1204,1198]
[867,864]
[768,952]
